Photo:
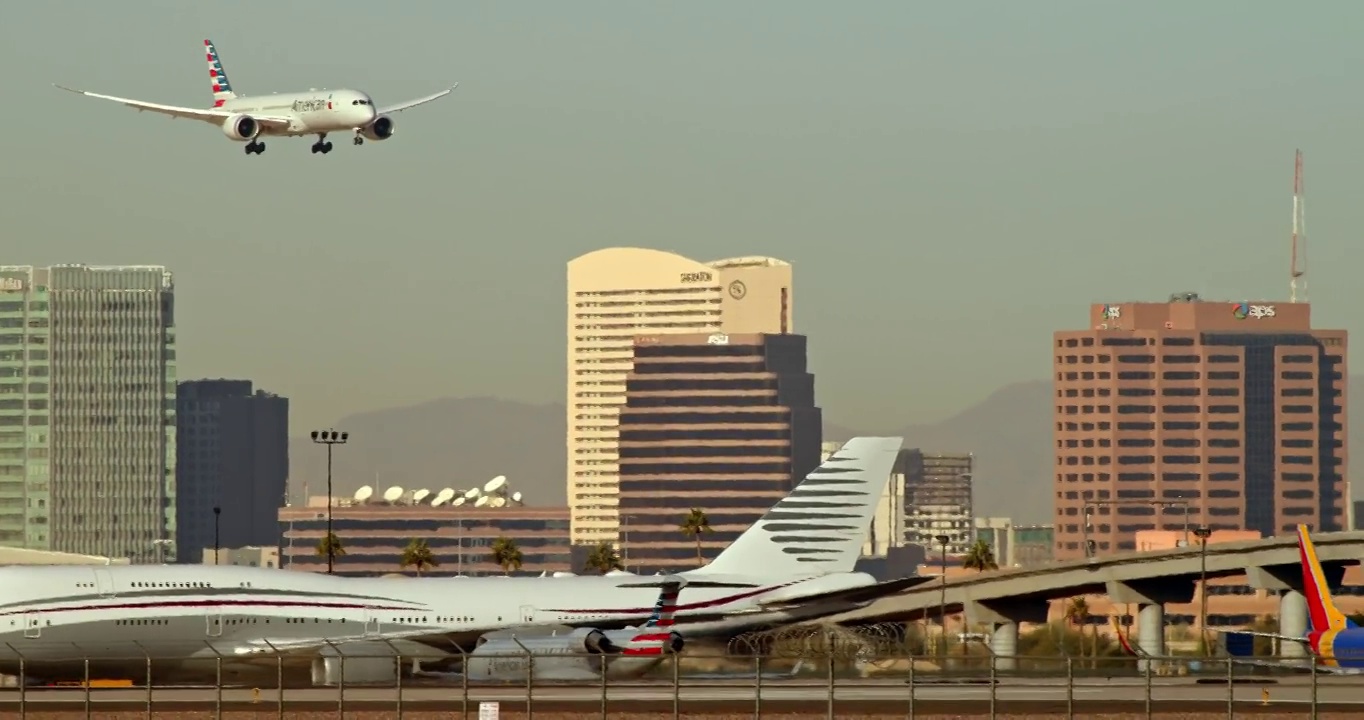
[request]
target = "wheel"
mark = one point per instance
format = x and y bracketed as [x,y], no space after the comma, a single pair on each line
[316,148]
[327,147]
[249,149]
[260,148]
[359,140]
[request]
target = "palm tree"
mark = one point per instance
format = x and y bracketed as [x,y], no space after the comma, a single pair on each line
[506,555]
[692,526]
[330,546]
[1077,612]
[603,559]
[418,555]
[980,557]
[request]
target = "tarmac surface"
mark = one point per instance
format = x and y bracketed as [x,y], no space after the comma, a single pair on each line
[1184,699]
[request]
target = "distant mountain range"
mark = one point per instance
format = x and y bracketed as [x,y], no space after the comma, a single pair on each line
[460,442]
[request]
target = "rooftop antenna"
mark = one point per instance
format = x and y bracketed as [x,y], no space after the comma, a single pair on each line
[1298,265]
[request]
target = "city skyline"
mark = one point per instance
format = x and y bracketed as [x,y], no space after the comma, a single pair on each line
[918,188]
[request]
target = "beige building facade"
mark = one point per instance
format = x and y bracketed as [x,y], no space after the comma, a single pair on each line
[619,293]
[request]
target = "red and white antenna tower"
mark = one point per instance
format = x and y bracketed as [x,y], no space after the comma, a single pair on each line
[1298,265]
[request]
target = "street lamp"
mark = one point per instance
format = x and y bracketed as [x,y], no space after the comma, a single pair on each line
[942,600]
[330,438]
[1089,545]
[1202,532]
[217,512]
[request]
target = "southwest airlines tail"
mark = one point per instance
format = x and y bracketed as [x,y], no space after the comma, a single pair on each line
[222,87]
[1321,609]
[821,526]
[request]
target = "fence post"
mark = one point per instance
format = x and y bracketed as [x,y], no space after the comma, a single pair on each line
[398,679]
[757,686]
[1146,666]
[23,685]
[677,691]
[829,712]
[1070,688]
[464,683]
[218,690]
[530,676]
[1313,701]
[149,681]
[1231,689]
[994,675]
[87,687]
[911,686]
[279,683]
[340,684]
[603,689]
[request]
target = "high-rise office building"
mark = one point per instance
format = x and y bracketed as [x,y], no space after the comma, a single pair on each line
[723,423]
[233,454]
[1185,413]
[938,499]
[87,409]
[617,294]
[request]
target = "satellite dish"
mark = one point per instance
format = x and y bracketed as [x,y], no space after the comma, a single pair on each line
[516,496]
[458,501]
[495,484]
[443,496]
[420,495]
[498,501]
[392,494]
[471,494]
[364,493]
[482,500]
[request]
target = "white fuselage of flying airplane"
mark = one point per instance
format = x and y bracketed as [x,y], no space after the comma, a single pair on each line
[314,112]
[62,614]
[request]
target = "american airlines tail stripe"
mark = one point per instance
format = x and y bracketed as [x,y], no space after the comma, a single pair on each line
[157,605]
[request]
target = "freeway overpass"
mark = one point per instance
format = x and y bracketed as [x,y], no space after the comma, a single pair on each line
[1004,598]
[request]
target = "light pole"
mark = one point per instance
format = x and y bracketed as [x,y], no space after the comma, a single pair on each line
[942,584]
[1088,544]
[1202,532]
[217,550]
[330,438]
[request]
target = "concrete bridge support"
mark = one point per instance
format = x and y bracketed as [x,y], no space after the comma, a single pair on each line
[1150,633]
[1292,622]
[1003,616]
[1151,596]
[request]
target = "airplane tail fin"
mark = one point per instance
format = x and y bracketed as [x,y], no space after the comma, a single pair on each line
[821,525]
[656,636]
[222,87]
[1321,609]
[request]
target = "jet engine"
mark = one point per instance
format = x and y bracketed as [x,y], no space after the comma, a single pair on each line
[380,129]
[241,128]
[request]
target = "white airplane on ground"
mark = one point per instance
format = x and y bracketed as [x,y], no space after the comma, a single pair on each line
[796,563]
[316,112]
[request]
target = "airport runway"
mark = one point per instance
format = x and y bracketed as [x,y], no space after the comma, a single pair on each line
[1012,697]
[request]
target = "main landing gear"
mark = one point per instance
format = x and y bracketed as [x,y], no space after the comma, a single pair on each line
[255,147]
[322,146]
[359,139]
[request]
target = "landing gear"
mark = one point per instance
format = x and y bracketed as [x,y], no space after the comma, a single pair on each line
[254,147]
[322,146]
[359,140]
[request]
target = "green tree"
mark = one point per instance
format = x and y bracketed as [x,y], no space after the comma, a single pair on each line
[506,555]
[330,547]
[418,555]
[980,557]
[693,525]
[1077,612]
[603,558]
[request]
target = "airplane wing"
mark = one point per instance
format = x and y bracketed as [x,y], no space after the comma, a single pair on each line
[864,593]
[309,646]
[215,117]
[419,101]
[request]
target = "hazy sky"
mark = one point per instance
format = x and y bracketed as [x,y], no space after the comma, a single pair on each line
[948,178]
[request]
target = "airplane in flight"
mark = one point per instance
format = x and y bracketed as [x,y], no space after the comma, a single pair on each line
[1334,641]
[247,118]
[795,564]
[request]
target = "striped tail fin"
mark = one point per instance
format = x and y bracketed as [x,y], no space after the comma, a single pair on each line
[820,527]
[1321,609]
[222,87]
[657,636]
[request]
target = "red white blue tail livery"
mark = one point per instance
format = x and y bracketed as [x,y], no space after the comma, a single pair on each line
[315,112]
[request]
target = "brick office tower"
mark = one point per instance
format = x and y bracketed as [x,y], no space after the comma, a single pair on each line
[1171,415]
[725,423]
